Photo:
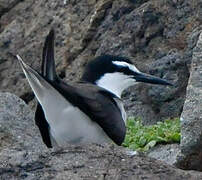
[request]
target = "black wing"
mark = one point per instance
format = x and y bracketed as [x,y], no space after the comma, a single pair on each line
[48,61]
[48,71]
[43,125]
[99,105]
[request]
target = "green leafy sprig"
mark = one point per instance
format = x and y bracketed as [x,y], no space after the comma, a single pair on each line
[142,138]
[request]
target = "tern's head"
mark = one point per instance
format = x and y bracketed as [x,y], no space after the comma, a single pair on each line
[116,74]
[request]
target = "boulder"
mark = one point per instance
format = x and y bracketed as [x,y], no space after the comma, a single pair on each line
[23,156]
[191,118]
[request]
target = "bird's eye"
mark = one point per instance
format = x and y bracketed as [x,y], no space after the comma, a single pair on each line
[123,69]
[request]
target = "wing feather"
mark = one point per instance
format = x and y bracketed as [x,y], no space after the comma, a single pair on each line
[99,105]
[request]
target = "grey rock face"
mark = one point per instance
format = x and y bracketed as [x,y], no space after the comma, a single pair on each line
[5,6]
[23,156]
[167,153]
[191,118]
[153,33]
[17,128]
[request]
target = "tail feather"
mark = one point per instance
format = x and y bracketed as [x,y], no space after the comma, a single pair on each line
[48,61]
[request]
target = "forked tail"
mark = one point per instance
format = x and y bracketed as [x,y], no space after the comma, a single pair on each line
[48,61]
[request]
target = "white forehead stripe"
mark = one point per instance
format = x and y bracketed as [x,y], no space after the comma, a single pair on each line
[125,64]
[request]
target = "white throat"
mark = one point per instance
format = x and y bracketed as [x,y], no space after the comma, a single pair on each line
[115,82]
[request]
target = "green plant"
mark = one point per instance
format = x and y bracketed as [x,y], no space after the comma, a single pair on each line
[141,138]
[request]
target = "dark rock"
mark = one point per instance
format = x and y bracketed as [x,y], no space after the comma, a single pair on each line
[6,6]
[153,33]
[191,118]
[157,44]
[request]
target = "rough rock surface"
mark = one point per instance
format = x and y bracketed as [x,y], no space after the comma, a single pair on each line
[88,162]
[16,124]
[23,156]
[6,6]
[165,152]
[191,119]
[153,33]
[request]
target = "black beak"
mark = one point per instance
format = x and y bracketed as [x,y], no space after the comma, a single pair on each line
[142,77]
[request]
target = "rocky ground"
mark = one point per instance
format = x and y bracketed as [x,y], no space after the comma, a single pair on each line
[24,156]
[161,38]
